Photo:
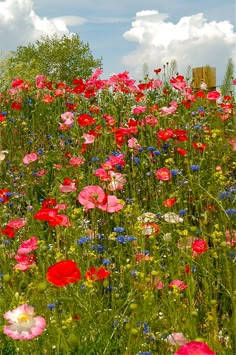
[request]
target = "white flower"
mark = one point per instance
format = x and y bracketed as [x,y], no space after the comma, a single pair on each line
[172,217]
[3,154]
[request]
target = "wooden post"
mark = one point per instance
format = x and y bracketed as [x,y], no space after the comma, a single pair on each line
[204,74]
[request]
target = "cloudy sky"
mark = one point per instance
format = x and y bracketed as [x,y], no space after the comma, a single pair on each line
[128,33]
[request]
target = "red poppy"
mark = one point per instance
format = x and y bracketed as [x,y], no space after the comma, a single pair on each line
[213,95]
[163,174]
[169,202]
[199,246]
[194,348]
[199,146]
[9,231]
[166,134]
[16,105]
[85,120]
[158,70]
[63,273]
[4,195]
[181,151]
[47,99]
[97,274]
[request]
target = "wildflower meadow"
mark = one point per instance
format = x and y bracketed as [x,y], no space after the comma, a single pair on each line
[117,217]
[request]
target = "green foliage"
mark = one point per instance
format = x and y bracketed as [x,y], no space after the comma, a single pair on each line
[59,58]
[226,88]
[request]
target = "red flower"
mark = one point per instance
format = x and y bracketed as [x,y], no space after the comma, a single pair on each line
[199,246]
[16,105]
[97,274]
[181,151]
[47,99]
[194,348]
[163,174]
[63,273]
[199,146]
[169,202]
[9,231]
[166,134]
[213,95]
[158,70]
[3,196]
[85,120]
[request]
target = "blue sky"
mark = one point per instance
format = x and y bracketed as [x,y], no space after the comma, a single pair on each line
[129,33]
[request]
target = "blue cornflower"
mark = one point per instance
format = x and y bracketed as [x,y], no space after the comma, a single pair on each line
[95,159]
[98,248]
[40,151]
[129,201]
[224,194]
[182,212]
[151,149]
[83,240]
[231,212]
[51,306]
[133,273]
[195,167]
[156,152]
[119,229]
[106,262]
[136,160]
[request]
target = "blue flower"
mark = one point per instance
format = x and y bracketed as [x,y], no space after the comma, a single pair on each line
[119,229]
[195,167]
[182,212]
[83,240]
[98,248]
[231,212]
[51,306]
[106,262]
[224,194]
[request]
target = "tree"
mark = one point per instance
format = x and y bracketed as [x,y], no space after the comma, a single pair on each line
[227,85]
[59,58]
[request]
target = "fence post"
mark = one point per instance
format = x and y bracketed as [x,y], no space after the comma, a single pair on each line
[205,75]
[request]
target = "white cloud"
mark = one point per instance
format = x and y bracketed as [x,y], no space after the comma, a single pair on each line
[192,41]
[20,24]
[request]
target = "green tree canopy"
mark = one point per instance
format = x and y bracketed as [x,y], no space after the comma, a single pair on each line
[59,58]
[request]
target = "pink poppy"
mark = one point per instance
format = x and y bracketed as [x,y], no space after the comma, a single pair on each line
[177,284]
[133,143]
[139,109]
[23,325]
[91,196]
[176,339]
[194,348]
[40,81]
[89,138]
[111,204]
[28,158]
[68,186]
[117,181]
[163,174]
[234,81]
[77,161]
[231,237]
[213,95]
[17,223]
[168,110]
[27,246]
[24,262]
